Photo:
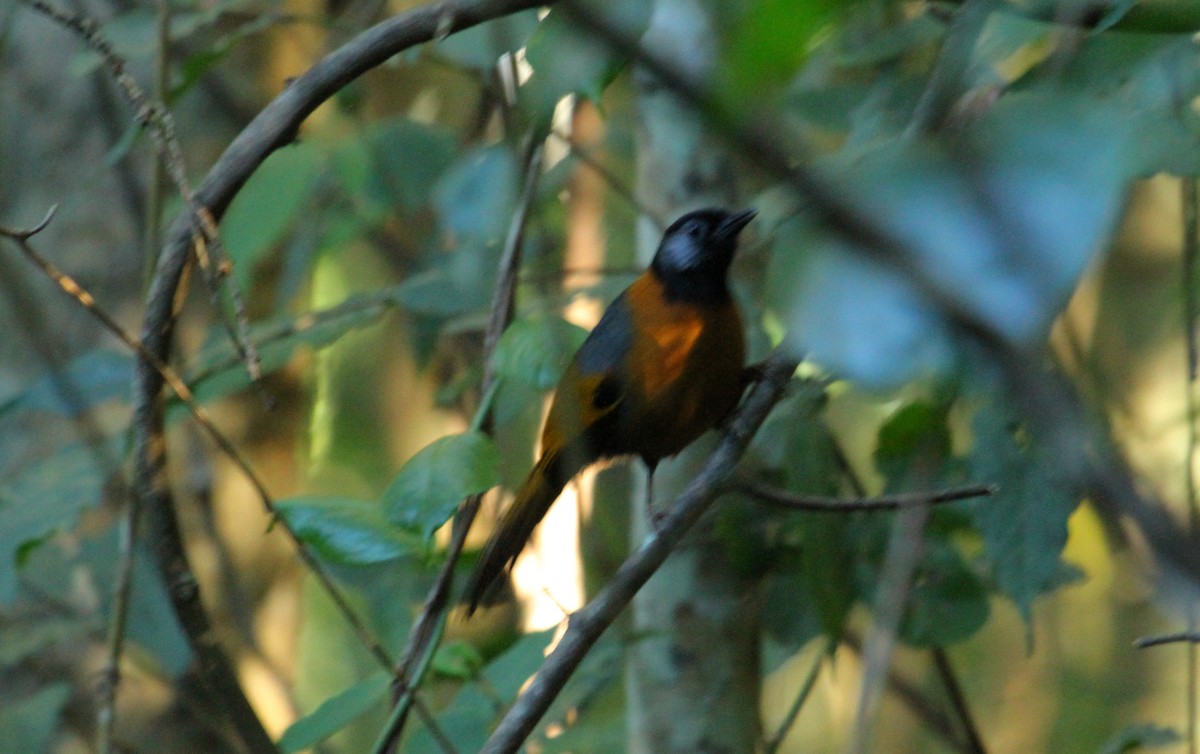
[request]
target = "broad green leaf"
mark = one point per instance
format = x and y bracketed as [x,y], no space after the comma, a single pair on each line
[346,531]
[405,158]
[769,42]
[508,672]
[853,315]
[429,488]
[947,603]
[1024,525]
[47,496]
[475,197]
[1135,737]
[481,46]
[335,713]
[89,380]
[915,435]
[535,350]
[267,205]
[567,59]
[457,659]
[27,724]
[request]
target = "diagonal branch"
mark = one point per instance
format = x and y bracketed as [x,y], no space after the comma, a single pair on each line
[586,626]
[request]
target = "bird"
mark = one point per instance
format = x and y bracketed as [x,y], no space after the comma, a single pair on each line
[664,364]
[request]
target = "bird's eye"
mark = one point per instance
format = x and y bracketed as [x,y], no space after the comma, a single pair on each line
[693,230]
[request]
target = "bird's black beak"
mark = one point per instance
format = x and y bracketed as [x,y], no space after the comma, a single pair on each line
[735,222]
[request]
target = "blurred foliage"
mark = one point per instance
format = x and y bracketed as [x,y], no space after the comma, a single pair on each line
[369,248]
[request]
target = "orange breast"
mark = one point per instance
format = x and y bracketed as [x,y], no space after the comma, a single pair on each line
[685,365]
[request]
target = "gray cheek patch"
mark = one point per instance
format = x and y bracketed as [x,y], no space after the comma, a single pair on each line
[681,252]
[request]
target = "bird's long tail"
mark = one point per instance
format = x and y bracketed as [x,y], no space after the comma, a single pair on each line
[539,491]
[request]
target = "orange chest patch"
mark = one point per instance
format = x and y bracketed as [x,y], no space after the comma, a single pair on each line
[667,336]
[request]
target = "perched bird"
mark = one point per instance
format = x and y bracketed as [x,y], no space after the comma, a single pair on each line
[664,364]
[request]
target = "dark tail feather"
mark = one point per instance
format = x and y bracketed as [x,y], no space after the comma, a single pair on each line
[537,494]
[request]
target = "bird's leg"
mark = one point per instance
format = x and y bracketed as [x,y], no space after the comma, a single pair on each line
[653,514]
[752,373]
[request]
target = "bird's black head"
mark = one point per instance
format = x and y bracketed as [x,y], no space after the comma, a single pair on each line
[695,253]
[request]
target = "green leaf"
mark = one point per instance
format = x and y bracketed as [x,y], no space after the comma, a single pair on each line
[1135,737]
[45,497]
[535,350]
[481,46]
[567,59]
[917,435]
[768,44]
[346,531]
[475,197]
[27,724]
[429,488]
[405,158]
[335,713]
[1024,525]
[947,603]
[508,672]
[93,378]
[457,659]
[267,206]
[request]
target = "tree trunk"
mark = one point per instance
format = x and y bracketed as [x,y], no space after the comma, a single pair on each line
[693,671]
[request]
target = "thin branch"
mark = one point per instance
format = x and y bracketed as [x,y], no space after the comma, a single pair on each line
[154,116]
[426,629]
[1190,196]
[618,187]
[1157,641]
[912,697]
[784,499]
[810,681]
[958,698]
[586,626]
[245,721]
[906,545]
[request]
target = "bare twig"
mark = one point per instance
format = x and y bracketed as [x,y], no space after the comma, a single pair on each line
[911,695]
[906,544]
[426,629]
[1157,641]
[619,187]
[587,625]
[1190,196]
[945,671]
[771,746]
[155,116]
[784,499]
